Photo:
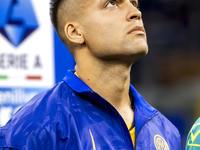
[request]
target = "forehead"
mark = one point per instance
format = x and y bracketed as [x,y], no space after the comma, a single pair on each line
[81,6]
[90,3]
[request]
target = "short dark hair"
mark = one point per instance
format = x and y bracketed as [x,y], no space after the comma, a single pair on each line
[54,5]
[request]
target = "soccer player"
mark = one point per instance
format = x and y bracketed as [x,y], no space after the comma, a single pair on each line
[193,139]
[94,107]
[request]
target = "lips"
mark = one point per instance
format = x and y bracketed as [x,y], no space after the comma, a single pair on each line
[137,30]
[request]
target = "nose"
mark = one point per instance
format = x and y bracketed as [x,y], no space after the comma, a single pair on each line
[133,12]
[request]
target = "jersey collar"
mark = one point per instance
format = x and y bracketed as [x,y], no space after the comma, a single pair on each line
[143,110]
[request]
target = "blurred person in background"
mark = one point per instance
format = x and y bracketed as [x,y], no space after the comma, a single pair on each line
[193,139]
[94,107]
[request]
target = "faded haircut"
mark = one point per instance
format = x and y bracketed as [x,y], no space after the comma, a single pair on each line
[54,5]
[63,11]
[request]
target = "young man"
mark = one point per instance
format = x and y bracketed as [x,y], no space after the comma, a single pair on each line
[95,107]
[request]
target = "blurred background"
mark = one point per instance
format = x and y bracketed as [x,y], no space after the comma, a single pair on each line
[168,77]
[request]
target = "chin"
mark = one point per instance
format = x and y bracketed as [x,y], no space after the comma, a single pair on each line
[131,58]
[142,50]
[139,54]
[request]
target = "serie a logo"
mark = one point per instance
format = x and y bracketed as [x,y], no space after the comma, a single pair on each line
[17,21]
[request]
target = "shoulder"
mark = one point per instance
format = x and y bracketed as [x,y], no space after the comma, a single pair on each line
[36,120]
[166,125]
[43,104]
[163,134]
[152,124]
[148,115]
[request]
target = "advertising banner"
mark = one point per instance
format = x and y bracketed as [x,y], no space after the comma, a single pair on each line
[27,53]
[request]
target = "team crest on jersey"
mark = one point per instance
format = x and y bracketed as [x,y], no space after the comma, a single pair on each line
[160,143]
[194,136]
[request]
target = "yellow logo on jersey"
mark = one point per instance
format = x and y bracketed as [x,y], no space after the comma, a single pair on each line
[194,138]
[160,143]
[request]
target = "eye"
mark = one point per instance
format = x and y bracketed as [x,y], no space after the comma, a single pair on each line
[111,3]
[135,4]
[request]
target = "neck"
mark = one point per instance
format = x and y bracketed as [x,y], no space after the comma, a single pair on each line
[109,79]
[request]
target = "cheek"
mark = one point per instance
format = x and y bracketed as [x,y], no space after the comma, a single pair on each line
[102,36]
[99,33]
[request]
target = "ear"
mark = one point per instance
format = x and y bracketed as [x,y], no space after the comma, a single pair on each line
[73,33]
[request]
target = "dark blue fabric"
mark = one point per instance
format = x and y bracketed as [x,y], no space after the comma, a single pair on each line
[70,115]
